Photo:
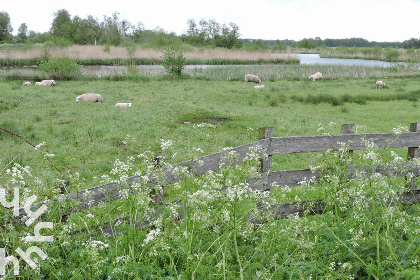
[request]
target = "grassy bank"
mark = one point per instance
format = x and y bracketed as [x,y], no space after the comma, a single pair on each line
[89,144]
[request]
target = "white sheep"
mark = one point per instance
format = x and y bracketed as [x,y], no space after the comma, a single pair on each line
[380,84]
[90,97]
[40,84]
[27,84]
[252,78]
[123,105]
[49,82]
[316,76]
[259,86]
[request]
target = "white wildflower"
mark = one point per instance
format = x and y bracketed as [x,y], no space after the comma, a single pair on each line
[165,144]
[151,235]
[39,145]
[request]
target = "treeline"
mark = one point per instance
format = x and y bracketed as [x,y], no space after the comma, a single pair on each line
[112,30]
[318,42]
[68,30]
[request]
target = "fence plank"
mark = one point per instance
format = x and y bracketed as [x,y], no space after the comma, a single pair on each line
[292,178]
[315,207]
[305,144]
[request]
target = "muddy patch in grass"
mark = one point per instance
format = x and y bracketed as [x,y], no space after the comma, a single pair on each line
[201,116]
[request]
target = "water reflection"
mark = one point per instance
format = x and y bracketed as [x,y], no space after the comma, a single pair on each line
[312,59]
[103,70]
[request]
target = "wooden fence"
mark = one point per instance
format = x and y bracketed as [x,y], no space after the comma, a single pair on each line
[266,147]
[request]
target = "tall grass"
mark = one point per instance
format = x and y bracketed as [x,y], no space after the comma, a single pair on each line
[377,53]
[302,72]
[204,230]
[95,55]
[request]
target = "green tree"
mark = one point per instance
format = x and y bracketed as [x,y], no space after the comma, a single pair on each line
[5,27]
[111,30]
[229,37]
[22,35]
[307,44]
[62,25]
[86,31]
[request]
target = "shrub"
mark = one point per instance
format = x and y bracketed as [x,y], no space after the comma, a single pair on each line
[61,68]
[392,54]
[173,61]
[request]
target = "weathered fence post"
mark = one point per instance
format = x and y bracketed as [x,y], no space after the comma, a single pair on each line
[348,129]
[266,133]
[413,152]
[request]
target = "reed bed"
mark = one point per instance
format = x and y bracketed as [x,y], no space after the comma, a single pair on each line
[299,72]
[79,52]
[409,55]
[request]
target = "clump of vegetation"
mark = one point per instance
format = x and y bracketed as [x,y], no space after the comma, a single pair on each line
[174,61]
[218,224]
[62,68]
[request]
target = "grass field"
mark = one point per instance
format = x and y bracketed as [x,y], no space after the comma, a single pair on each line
[89,144]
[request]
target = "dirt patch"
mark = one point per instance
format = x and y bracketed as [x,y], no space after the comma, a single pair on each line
[201,116]
[215,119]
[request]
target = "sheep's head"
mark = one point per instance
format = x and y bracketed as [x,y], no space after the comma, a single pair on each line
[130,104]
[53,83]
[78,98]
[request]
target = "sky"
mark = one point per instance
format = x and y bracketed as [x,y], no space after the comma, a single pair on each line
[374,20]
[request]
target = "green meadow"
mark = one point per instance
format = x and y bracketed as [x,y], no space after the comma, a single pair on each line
[180,119]
[87,138]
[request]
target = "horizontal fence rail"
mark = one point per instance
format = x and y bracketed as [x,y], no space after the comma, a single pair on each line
[265,148]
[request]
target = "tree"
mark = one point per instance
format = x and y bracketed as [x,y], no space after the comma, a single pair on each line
[86,31]
[229,36]
[5,27]
[62,24]
[111,29]
[307,44]
[22,35]
[412,43]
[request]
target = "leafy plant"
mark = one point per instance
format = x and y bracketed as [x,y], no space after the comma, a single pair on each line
[62,68]
[174,61]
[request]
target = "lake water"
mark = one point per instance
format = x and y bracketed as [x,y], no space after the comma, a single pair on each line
[305,59]
[312,59]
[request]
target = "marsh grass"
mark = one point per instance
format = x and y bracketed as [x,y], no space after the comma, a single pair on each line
[377,53]
[95,55]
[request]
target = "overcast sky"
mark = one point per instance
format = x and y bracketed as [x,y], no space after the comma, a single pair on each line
[374,20]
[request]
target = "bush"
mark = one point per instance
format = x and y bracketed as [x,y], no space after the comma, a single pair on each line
[62,68]
[174,61]
[392,54]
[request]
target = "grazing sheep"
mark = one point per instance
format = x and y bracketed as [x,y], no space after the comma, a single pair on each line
[380,84]
[40,84]
[49,82]
[123,105]
[27,84]
[259,86]
[316,76]
[252,78]
[90,97]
